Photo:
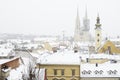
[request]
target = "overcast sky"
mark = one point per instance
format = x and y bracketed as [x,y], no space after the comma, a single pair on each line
[51,17]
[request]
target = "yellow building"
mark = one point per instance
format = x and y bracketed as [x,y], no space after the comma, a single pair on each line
[61,71]
[98,38]
[109,47]
[63,65]
[68,65]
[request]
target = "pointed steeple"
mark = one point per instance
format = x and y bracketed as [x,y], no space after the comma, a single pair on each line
[98,22]
[98,19]
[86,16]
[77,18]
[86,21]
[77,27]
[77,12]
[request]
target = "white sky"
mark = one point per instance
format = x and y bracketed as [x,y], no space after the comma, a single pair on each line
[51,17]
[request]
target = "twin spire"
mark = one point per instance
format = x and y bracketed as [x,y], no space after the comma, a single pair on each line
[86,13]
[77,17]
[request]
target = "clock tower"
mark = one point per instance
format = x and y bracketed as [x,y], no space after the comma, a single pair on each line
[98,38]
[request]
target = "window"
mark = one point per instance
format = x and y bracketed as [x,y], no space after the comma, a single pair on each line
[73,79]
[98,40]
[62,79]
[55,71]
[58,79]
[73,72]
[55,79]
[46,72]
[62,72]
[98,34]
[109,49]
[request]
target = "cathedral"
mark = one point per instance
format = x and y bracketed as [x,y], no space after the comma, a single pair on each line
[81,33]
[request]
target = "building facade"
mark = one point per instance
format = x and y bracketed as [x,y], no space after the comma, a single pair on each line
[61,71]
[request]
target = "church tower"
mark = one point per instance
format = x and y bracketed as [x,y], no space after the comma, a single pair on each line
[77,28]
[98,38]
[86,22]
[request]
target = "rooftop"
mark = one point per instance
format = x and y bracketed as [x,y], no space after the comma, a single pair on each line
[69,57]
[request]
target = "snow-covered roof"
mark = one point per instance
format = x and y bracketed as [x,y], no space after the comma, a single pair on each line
[106,56]
[54,44]
[83,43]
[45,39]
[2,61]
[6,45]
[29,46]
[18,40]
[69,57]
[101,70]
[23,71]
[115,39]
[64,57]
[36,55]
[4,51]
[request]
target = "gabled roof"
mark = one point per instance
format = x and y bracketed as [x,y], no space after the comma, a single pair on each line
[108,44]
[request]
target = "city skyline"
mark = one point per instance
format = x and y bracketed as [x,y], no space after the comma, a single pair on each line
[51,17]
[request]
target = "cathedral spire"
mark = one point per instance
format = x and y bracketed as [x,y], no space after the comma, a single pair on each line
[77,19]
[77,11]
[77,27]
[86,21]
[86,13]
